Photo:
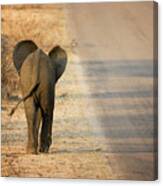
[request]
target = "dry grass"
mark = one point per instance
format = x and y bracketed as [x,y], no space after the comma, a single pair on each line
[44,24]
[9,77]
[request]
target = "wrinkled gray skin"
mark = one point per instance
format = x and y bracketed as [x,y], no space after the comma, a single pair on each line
[38,73]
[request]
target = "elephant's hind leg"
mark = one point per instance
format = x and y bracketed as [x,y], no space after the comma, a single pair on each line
[33,119]
[36,128]
[46,131]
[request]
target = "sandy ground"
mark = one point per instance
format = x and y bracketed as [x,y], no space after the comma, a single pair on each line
[115,49]
[73,153]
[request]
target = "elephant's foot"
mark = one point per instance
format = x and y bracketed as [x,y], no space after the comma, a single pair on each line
[31,150]
[44,149]
[45,144]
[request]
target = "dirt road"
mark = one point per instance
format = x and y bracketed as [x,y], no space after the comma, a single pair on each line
[103,124]
[113,43]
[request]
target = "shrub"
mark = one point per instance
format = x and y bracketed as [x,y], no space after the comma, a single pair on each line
[9,78]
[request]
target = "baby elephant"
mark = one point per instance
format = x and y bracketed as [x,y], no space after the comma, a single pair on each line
[39,74]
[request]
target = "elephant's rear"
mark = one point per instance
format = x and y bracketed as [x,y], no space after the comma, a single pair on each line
[29,74]
[46,89]
[37,68]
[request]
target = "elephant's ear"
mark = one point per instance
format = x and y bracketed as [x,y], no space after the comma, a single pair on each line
[58,57]
[21,51]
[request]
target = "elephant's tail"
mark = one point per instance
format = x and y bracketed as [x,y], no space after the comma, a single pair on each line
[32,89]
